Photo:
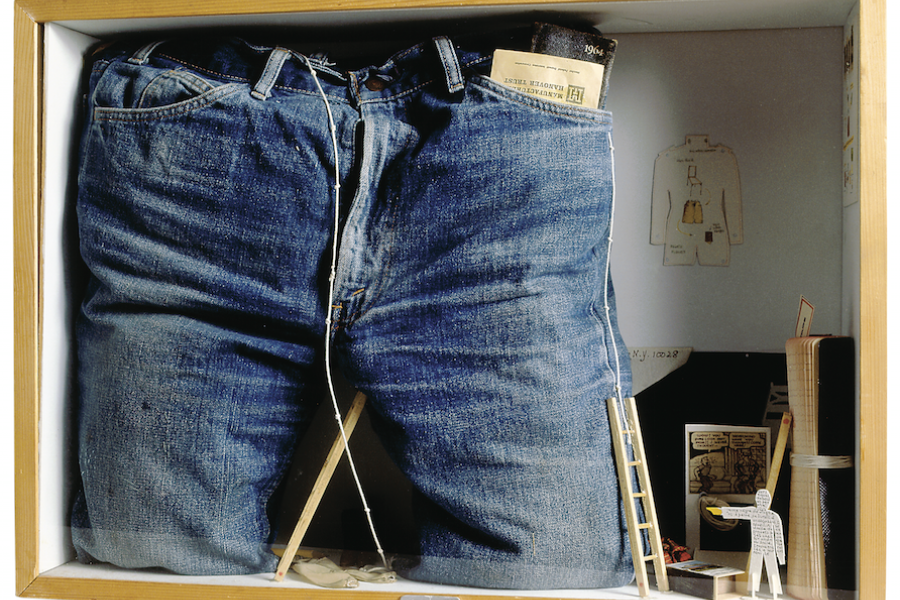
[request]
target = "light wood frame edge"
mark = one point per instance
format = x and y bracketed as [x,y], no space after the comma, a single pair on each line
[26,288]
[53,10]
[873,300]
[27,115]
[104,589]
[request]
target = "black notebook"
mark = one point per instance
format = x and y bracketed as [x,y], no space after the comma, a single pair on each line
[555,40]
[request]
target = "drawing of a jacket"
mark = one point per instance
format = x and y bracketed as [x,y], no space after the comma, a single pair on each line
[696,203]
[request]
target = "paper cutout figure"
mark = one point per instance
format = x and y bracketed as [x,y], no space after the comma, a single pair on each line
[696,204]
[766,540]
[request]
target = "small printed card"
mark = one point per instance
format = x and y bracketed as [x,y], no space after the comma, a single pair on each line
[804,318]
[564,80]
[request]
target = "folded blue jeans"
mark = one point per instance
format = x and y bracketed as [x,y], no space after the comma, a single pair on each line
[472,304]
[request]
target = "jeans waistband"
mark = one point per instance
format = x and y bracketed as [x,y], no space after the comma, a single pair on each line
[270,69]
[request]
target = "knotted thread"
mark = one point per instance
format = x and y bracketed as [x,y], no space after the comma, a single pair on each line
[331,279]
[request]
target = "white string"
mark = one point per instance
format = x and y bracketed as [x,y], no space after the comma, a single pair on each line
[620,404]
[330,309]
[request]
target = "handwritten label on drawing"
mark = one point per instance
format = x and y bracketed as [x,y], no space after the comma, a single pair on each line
[644,354]
[649,365]
[563,80]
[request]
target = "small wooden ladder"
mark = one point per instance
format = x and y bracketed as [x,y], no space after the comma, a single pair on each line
[627,464]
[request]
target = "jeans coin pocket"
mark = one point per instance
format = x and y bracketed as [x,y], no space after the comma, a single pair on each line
[172,87]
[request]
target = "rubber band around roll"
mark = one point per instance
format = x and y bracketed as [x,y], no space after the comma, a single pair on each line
[816,461]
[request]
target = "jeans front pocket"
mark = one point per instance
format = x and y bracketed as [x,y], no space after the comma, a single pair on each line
[127,92]
[507,94]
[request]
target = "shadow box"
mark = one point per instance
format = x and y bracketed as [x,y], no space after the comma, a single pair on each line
[795,88]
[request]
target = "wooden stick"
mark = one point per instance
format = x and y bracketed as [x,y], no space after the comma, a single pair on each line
[780,446]
[321,484]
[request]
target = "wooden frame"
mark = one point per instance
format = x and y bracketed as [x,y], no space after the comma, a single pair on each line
[30,18]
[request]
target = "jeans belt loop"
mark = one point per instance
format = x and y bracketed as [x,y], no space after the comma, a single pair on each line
[452,71]
[142,56]
[263,87]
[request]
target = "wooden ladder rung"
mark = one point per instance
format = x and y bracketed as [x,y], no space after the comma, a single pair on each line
[630,435]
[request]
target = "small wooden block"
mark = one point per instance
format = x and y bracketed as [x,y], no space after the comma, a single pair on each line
[703,579]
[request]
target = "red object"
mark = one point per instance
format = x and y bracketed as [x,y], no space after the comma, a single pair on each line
[674,552]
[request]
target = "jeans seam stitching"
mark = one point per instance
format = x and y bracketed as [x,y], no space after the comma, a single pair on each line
[366,306]
[203,69]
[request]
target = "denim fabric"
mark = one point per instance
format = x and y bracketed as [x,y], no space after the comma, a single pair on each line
[469,306]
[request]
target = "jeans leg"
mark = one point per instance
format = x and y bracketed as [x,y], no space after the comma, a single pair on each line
[204,218]
[482,340]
